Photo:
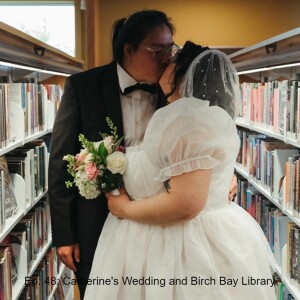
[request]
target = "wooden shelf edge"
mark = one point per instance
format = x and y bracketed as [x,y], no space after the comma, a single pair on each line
[18,47]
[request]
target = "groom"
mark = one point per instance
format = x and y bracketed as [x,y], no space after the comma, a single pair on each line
[142,46]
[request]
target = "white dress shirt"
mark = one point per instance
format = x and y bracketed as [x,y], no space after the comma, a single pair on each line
[137,109]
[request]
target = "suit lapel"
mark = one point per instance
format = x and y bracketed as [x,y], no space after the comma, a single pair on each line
[112,98]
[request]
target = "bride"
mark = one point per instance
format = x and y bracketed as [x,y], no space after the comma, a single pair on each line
[180,238]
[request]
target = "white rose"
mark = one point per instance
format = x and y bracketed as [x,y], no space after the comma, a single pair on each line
[116,162]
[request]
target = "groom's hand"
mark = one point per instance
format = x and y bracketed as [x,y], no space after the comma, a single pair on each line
[66,255]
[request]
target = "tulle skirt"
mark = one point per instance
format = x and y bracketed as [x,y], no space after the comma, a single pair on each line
[220,254]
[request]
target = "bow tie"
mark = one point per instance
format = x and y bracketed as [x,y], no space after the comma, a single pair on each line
[140,86]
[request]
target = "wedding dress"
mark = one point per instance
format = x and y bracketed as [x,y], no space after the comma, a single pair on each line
[222,253]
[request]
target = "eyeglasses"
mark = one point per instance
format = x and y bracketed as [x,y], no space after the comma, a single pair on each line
[159,53]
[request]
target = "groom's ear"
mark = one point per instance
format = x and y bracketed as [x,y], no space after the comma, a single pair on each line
[128,51]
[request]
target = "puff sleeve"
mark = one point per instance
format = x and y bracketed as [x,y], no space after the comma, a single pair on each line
[189,135]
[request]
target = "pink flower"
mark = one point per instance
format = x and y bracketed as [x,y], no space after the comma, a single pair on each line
[91,171]
[81,156]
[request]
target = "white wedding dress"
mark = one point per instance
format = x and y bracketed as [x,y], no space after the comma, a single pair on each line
[216,255]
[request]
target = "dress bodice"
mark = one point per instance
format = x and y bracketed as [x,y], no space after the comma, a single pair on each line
[181,138]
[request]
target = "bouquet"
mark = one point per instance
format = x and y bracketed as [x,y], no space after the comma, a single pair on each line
[99,166]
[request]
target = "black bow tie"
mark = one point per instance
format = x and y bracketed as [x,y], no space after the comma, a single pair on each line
[140,86]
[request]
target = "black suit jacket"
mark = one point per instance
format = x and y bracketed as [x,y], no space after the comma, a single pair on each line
[89,97]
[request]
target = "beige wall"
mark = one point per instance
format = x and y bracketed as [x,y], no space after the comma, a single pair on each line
[208,22]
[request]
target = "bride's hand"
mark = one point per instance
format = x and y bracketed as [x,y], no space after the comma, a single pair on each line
[117,204]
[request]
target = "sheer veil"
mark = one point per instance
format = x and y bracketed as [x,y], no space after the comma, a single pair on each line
[213,77]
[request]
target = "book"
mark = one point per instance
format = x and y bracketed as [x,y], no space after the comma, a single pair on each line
[26,227]
[59,293]
[6,269]
[11,205]
[4,117]
[21,161]
[18,237]
[14,273]
[17,94]
[2,279]
[280,235]
[2,201]
[280,157]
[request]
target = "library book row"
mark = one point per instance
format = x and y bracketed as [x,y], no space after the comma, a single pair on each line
[268,188]
[29,268]
[28,109]
[273,106]
[28,272]
[20,249]
[275,167]
[23,179]
[282,235]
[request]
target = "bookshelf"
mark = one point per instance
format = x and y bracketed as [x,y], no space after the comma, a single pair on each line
[270,87]
[30,65]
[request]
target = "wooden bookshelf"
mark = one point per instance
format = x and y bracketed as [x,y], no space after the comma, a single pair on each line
[275,59]
[282,49]
[30,61]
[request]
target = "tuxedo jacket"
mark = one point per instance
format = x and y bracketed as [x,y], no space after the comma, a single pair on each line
[89,97]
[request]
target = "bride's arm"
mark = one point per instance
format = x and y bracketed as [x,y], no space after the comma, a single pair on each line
[183,201]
